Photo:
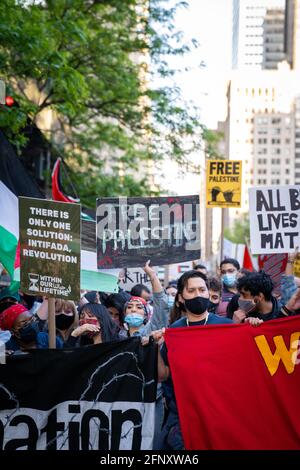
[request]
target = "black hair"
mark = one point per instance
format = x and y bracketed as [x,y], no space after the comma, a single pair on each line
[109,329]
[232,261]
[200,266]
[256,283]
[91,296]
[172,284]
[215,284]
[137,290]
[117,301]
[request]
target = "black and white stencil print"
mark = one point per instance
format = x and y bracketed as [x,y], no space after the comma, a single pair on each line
[132,230]
[94,398]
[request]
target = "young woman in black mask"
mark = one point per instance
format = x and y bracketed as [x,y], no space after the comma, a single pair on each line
[66,318]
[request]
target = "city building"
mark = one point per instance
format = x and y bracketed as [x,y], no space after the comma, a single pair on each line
[249,20]
[273,38]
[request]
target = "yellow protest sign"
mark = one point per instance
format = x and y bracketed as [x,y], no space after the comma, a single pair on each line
[223,183]
[297,266]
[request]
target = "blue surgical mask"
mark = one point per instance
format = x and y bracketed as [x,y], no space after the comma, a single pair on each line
[170,301]
[134,319]
[229,279]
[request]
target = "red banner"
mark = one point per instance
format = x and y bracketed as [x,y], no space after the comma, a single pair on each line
[237,386]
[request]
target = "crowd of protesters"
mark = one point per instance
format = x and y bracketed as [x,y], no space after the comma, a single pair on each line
[197,298]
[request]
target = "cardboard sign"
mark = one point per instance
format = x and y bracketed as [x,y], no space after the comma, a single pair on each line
[274,219]
[132,276]
[274,265]
[50,248]
[297,266]
[223,183]
[130,231]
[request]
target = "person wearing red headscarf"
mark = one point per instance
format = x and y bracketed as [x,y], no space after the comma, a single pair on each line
[24,330]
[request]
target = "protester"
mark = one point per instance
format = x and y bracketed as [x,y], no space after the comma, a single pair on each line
[215,292]
[140,290]
[201,269]
[66,318]
[233,305]
[95,326]
[193,301]
[288,288]
[256,299]
[115,306]
[92,297]
[24,330]
[8,298]
[229,269]
[171,291]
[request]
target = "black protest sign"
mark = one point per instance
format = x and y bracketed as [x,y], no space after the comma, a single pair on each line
[132,230]
[94,398]
[50,248]
[274,219]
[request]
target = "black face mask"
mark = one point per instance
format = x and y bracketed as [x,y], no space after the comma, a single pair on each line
[197,305]
[63,322]
[28,333]
[212,307]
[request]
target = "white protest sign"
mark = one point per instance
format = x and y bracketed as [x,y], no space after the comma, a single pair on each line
[274,219]
[133,276]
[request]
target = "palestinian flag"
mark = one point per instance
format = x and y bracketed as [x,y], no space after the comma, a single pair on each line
[57,191]
[14,182]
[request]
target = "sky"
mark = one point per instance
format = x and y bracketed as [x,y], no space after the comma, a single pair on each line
[210,23]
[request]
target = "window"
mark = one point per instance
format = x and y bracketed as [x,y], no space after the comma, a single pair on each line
[262,120]
[262,131]
[275,130]
[287,171]
[275,141]
[262,141]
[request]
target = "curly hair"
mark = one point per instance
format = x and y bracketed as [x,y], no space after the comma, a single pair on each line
[256,283]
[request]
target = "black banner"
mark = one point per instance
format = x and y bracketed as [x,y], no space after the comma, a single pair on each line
[94,398]
[132,230]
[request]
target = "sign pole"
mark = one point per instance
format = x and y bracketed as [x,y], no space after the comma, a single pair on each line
[222,233]
[51,323]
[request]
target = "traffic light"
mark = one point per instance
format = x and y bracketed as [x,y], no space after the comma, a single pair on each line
[9,101]
[5,100]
